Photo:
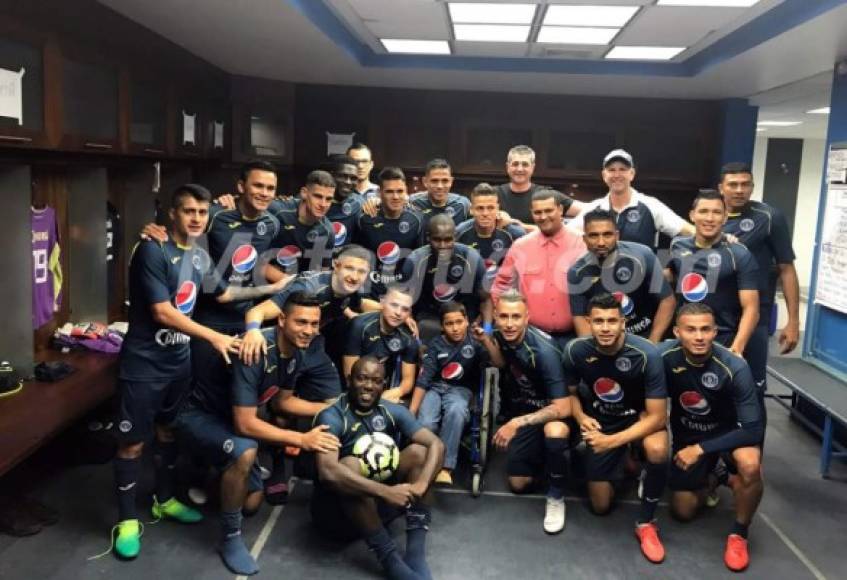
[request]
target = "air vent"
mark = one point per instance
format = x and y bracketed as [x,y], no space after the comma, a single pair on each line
[567,53]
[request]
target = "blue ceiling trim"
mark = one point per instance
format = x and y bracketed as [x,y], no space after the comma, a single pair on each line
[789,14]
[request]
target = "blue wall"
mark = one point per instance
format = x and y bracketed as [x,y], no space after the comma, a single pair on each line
[738,132]
[826,329]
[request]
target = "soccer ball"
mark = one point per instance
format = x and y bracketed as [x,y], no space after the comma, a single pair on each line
[378,456]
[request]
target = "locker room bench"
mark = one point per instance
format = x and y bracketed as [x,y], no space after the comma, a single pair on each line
[42,410]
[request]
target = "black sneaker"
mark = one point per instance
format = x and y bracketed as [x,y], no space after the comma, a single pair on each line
[10,382]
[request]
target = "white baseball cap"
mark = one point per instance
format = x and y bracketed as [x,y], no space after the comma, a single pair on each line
[618,155]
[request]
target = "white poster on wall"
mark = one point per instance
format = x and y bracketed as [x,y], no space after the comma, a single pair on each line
[188,128]
[338,143]
[219,135]
[12,94]
[832,261]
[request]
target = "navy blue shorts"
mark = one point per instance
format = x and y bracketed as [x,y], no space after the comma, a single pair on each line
[697,477]
[607,466]
[329,517]
[526,454]
[145,404]
[207,436]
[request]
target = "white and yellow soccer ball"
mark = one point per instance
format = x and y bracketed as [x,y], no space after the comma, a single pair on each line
[378,456]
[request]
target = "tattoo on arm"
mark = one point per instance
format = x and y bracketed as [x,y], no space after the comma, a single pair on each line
[540,417]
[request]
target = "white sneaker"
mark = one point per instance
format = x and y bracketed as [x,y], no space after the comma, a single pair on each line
[554,515]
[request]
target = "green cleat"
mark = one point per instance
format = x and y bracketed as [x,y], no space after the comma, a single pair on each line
[128,540]
[175,510]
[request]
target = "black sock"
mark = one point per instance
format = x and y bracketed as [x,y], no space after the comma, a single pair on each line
[277,467]
[383,547]
[164,456]
[417,525]
[557,465]
[654,485]
[740,529]
[126,481]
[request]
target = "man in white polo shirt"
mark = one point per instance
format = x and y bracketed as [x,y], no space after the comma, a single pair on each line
[639,217]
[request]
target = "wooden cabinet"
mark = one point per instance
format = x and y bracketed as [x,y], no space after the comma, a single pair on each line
[89,104]
[22,77]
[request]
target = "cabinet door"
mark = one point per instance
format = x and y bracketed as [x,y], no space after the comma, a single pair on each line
[22,92]
[148,117]
[89,105]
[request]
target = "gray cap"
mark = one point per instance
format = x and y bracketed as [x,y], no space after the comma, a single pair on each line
[618,155]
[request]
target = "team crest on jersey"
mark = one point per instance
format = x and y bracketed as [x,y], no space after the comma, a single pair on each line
[228,446]
[623,274]
[125,426]
[633,216]
[394,344]
[312,235]
[292,364]
[404,227]
[467,351]
[497,245]
[378,423]
[623,364]
[261,228]
[709,380]
[347,208]
[456,270]
[451,211]
[200,260]
[746,225]
[714,260]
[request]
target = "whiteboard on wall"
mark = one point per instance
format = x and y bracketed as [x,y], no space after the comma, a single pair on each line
[831,290]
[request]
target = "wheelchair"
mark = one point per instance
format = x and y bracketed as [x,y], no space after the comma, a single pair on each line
[482,427]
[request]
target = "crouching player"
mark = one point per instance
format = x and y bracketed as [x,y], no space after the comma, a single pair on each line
[221,421]
[450,374]
[346,504]
[715,413]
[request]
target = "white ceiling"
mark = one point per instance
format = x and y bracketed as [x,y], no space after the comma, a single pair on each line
[272,39]
[790,103]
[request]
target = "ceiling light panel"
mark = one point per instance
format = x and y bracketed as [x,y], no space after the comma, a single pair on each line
[709,3]
[490,13]
[644,52]
[576,35]
[491,32]
[608,16]
[821,111]
[406,46]
[778,123]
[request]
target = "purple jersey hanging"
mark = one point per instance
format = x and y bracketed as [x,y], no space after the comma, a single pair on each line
[46,273]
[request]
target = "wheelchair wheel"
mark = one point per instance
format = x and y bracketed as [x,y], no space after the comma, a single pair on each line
[485,418]
[476,484]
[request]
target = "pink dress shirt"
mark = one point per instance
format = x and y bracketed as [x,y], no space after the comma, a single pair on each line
[537,265]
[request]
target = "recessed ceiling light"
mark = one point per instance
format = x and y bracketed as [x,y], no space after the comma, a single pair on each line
[402,45]
[489,13]
[821,111]
[491,32]
[576,35]
[760,130]
[709,3]
[645,52]
[778,123]
[612,16]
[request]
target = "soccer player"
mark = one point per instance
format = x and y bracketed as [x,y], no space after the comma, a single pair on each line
[629,271]
[618,399]
[392,233]
[763,229]
[640,217]
[221,422]
[707,268]
[385,336]
[442,271]
[536,435]
[346,206]
[715,413]
[306,237]
[437,199]
[362,157]
[155,362]
[482,234]
[450,375]
[348,505]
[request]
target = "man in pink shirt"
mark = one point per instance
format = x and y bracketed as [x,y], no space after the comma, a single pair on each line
[537,265]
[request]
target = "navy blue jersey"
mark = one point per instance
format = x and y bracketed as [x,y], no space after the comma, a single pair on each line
[457,207]
[307,370]
[452,364]
[613,388]
[238,247]
[348,425]
[519,205]
[708,399]
[535,365]
[632,273]
[365,336]
[492,248]
[435,282]
[301,247]
[763,229]
[344,217]
[391,240]
[713,276]
[319,285]
[160,272]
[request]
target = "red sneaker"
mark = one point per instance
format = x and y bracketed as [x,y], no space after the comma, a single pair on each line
[735,556]
[651,545]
